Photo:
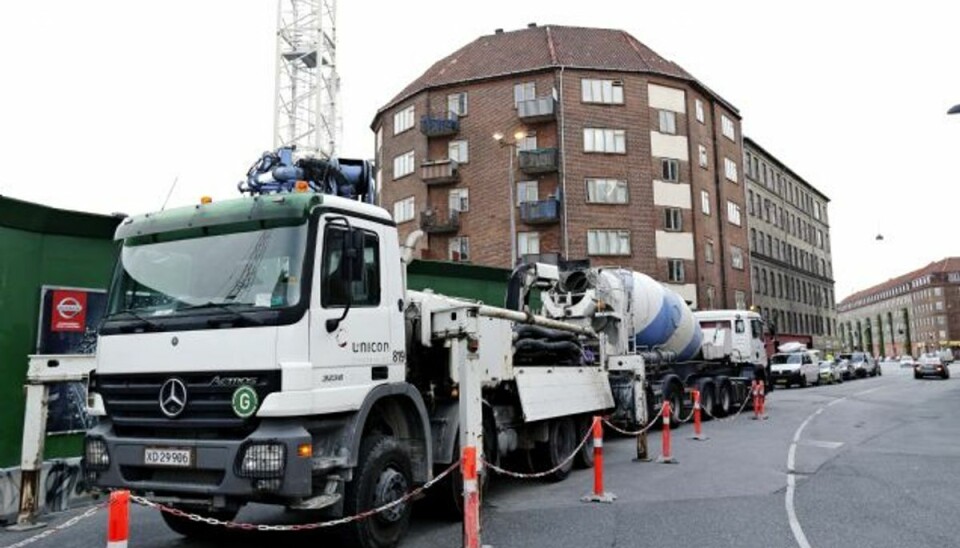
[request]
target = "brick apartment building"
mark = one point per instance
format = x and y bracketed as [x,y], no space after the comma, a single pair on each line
[617,155]
[910,314]
[790,255]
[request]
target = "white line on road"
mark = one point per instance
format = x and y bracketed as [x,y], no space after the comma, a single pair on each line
[798,534]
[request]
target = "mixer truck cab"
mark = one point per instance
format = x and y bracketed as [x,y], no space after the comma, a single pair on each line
[735,333]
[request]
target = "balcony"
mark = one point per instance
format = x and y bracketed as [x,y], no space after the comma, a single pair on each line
[541,212]
[546,258]
[538,160]
[439,127]
[537,110]
[440,172]
[432,222]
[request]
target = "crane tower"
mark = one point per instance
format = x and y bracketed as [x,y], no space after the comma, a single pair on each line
[307,101]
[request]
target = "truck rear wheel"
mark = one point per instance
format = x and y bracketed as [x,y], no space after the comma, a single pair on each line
[724,400]
[707,399]
[197,529]
[561,442]
[584,458]
[383,474]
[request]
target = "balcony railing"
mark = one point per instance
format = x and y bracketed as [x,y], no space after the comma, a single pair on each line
[537,110]
[440,172]
[432,222]
[539,160]
[541,212]
[439,127]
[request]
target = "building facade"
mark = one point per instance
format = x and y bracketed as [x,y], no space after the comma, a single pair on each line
[911,314]
[607,151]
[791,263]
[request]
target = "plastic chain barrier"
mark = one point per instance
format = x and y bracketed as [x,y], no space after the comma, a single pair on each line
[65,525]
[296,527]
[643,430]
[535,475]
[735,415]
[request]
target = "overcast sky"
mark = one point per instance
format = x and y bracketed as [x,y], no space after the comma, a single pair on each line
[104,103]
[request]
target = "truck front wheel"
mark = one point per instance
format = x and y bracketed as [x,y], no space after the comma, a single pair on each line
[383,474]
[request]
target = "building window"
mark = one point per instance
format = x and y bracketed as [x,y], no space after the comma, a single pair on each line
[705,202]
[601,91]
[457,104]
[606,191]
[528,243]
[458,151]
[459,199]
[526,91]
[528,191]
[403,120]
[736,257]
[668,122]
[403,165]
[527,142]
[673,220]
[608,242]
[459,249]
[404,210]
[729,131]
[711,297]
[733,213]
[708,251]
[730,169]
[675,270]
[741,299]
[605,140]
[670,170]
[698,104]
[704,160]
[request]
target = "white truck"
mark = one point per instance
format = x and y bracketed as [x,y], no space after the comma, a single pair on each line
[267,349]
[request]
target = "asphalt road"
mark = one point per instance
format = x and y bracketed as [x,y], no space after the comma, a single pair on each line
[874,463]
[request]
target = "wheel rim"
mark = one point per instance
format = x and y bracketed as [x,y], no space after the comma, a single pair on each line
[391,485]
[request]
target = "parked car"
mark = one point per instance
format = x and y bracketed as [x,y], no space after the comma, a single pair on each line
[862,364]
[907,361]
[830,372]
[846,368]
[794,368]
[930,364]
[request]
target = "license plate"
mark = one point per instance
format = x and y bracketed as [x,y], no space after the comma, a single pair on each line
[165,456]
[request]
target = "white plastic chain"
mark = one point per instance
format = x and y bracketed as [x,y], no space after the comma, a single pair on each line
[69,523]
[296,527]
[734,416]
[545,473]
[649,425]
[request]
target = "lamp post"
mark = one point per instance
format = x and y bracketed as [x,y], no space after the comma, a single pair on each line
[512,145]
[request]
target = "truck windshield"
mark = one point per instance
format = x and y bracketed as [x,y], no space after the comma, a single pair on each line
[785,358]
[254,270]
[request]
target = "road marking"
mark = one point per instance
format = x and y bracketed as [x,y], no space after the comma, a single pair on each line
[795,527]
[823,444]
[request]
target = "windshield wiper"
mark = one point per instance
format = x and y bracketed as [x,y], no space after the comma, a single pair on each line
[226,308]
[153,326]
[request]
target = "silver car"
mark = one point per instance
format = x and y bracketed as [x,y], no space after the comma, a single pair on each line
[830,372]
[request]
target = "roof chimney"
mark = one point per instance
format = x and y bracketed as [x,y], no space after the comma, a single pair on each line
[531,25]
[498,31]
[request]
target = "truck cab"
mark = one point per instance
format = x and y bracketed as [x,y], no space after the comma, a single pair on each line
[734,333]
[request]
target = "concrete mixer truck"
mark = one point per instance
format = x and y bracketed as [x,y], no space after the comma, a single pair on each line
[267,349]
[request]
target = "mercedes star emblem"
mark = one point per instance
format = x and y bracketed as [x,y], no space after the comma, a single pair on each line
[173,397]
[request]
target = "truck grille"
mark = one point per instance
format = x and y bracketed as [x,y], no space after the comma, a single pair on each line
[133,403]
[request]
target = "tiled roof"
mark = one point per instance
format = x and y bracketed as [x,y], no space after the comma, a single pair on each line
[539,48]
[950,264]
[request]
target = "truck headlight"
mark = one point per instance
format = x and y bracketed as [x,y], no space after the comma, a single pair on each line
[95,454]
[262,460]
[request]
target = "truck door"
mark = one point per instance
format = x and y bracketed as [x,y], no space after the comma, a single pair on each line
[757,350]
[350,336]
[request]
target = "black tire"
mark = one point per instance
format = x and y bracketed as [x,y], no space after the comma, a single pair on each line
[195,529]
[674,394]
[724,405]
[708,400]
[383,474]
[584,458]
[803,381]
[561,441]
[917,376]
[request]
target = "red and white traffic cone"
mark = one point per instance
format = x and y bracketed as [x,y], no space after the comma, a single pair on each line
[755,389]
[697,426]
[598,495]
[665,456]
[471,498]
[118,519]
[763,399]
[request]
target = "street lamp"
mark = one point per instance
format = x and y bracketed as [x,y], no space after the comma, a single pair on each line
[498,137]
